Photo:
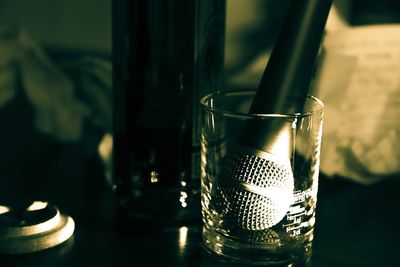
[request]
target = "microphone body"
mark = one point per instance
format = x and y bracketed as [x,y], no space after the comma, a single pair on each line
[256,182]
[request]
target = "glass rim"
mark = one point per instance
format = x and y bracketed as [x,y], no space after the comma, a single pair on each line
[207,97]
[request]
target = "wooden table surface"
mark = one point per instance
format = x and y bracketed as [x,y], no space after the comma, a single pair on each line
[356,225]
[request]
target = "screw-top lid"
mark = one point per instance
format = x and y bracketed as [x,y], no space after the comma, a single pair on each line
[30,226]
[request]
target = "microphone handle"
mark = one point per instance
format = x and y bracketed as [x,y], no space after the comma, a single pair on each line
[286,79]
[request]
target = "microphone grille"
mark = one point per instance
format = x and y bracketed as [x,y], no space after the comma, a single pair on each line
[254,192]
[267,236]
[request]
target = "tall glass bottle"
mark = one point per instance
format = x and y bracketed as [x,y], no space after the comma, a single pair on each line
[166,55]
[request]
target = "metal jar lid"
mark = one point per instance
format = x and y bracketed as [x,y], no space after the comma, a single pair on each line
[31,226]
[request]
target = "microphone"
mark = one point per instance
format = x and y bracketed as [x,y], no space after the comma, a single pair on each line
[256,182]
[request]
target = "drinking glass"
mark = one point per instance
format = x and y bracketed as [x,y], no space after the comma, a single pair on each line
[259,179]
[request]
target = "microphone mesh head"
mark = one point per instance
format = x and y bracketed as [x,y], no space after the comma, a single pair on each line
[267,236]
[253,192]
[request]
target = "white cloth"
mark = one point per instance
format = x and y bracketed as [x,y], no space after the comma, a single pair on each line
[59,112]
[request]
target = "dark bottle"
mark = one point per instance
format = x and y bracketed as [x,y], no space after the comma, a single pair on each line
[166,55]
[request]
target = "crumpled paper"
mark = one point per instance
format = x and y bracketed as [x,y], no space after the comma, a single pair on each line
[359,83]
[64,96]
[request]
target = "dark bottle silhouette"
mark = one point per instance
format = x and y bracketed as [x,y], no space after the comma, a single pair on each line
[166,55]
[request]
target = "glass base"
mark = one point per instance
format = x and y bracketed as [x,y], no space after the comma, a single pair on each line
[255,254]
[161,205]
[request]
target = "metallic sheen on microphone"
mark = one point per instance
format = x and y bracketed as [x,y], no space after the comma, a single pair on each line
[256,182]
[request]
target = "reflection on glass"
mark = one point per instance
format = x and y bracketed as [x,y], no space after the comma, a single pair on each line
[183,231]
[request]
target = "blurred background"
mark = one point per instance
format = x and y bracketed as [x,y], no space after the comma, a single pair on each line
[72,24]
[55,89]
[55,75]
